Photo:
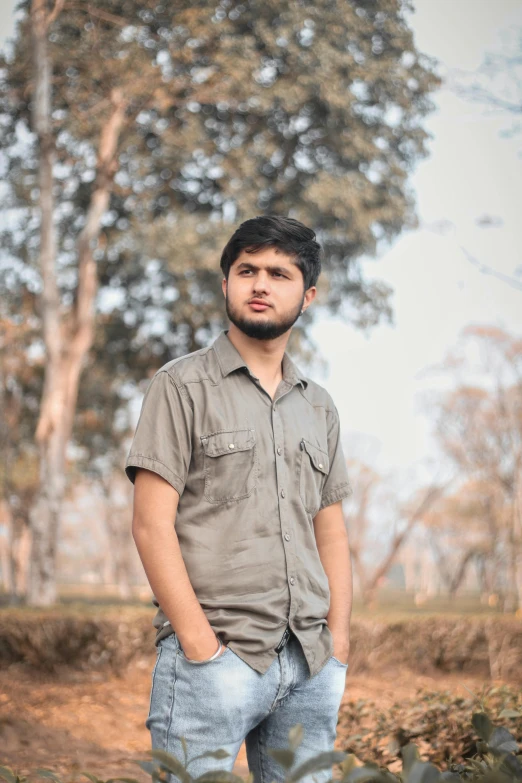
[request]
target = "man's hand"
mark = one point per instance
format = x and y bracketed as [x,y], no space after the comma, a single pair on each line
[209,655]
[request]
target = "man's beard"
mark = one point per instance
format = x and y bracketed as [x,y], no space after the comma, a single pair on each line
[262,330]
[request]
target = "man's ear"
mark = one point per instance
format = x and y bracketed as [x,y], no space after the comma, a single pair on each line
[224,286]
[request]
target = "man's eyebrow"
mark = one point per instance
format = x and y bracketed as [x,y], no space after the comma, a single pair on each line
[246,265]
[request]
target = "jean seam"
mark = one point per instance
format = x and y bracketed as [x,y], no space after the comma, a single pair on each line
[171,700]
[260,754]
[158,656]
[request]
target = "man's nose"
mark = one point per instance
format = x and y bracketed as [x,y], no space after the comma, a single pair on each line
[262,281]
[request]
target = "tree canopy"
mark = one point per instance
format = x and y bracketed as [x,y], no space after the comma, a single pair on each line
[232,109]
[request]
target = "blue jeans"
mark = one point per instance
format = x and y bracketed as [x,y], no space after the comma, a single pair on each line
[224,702]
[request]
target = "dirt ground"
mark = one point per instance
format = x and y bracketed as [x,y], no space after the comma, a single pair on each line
[96,723]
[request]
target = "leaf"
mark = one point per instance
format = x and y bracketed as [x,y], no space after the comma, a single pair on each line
[172,764]
[48,773]
[89,775]
[361,774]
[147,766]
[125,780]
[7,774]
[410,754]
[320,761]
[348,764]
[507,713]
[501,739]
[295,736]
[219,776]
[185,749]
[282,756]
[511,763]
[482,725]
[423,772]
[220,753]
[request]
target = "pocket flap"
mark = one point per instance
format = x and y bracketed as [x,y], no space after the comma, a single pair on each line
[217,443]
[319,457]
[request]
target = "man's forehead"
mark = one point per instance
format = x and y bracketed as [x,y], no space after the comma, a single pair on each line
[266,259]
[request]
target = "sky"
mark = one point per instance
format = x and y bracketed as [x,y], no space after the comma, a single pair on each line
[379,380]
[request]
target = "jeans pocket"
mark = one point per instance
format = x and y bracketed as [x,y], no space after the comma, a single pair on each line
[206,662]
[338,662]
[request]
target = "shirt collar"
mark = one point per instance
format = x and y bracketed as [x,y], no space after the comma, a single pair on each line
[230,359]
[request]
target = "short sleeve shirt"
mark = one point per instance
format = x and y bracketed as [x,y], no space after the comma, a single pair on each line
[251,472]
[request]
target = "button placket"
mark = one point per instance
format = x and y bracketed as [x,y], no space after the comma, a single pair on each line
[281,469]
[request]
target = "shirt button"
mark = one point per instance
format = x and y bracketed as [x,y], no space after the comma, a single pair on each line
[320,464]
[292,580]
[287,537]
[279,450]
[230,445]
[282,493]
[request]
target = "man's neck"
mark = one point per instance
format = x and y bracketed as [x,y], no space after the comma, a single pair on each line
[263,357]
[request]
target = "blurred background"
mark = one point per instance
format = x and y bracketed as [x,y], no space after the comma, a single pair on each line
[134,139]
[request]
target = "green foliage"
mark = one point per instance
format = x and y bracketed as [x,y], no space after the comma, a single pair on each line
[496,761]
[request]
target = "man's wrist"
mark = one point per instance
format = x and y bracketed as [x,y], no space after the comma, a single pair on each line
[216,654]
[198,642]
[202,652]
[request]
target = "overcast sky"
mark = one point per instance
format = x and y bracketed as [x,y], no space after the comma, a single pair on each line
[377,381]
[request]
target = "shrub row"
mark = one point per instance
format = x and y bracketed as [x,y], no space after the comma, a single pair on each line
[488,647]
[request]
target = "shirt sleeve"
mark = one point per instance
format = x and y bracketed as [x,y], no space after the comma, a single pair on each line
[337,485]
[163,441]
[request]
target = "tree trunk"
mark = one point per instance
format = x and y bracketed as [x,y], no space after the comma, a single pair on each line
[67,338]
[398,540]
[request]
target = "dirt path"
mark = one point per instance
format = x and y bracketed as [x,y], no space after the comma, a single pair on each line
[94,723]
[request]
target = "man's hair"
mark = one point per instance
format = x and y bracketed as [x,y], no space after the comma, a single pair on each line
[288,235]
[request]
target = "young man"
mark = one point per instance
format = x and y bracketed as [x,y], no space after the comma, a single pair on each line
[239,476]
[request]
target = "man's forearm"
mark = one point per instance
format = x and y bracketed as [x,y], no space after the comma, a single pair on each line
[160,553]
[334,553]
[337,565]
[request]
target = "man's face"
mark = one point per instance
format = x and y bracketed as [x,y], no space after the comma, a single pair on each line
[273,278]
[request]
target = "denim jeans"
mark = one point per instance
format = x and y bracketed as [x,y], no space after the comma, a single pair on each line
[224,702]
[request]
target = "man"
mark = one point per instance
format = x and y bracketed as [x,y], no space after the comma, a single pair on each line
[239,478]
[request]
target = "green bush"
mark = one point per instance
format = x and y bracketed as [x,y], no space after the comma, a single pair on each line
[496,761]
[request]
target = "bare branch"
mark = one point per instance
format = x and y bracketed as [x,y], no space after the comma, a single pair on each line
[487,270]
[58,7]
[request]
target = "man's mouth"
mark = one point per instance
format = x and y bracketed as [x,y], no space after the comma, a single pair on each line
[259,305]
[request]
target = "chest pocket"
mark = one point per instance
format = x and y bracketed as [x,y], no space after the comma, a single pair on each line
[314,468]
[230,464]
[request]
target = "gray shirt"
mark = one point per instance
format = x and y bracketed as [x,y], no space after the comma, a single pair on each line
[251,472]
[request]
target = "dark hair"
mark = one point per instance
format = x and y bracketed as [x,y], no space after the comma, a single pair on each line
[288,235]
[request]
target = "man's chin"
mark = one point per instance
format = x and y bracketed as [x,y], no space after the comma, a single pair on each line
[260,330]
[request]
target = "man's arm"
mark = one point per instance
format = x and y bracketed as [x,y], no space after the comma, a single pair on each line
[334,551]
[154,514]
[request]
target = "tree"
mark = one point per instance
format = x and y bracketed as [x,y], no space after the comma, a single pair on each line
[161,133]
[496,84]
[463,531]
[367,483]
[479,427]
